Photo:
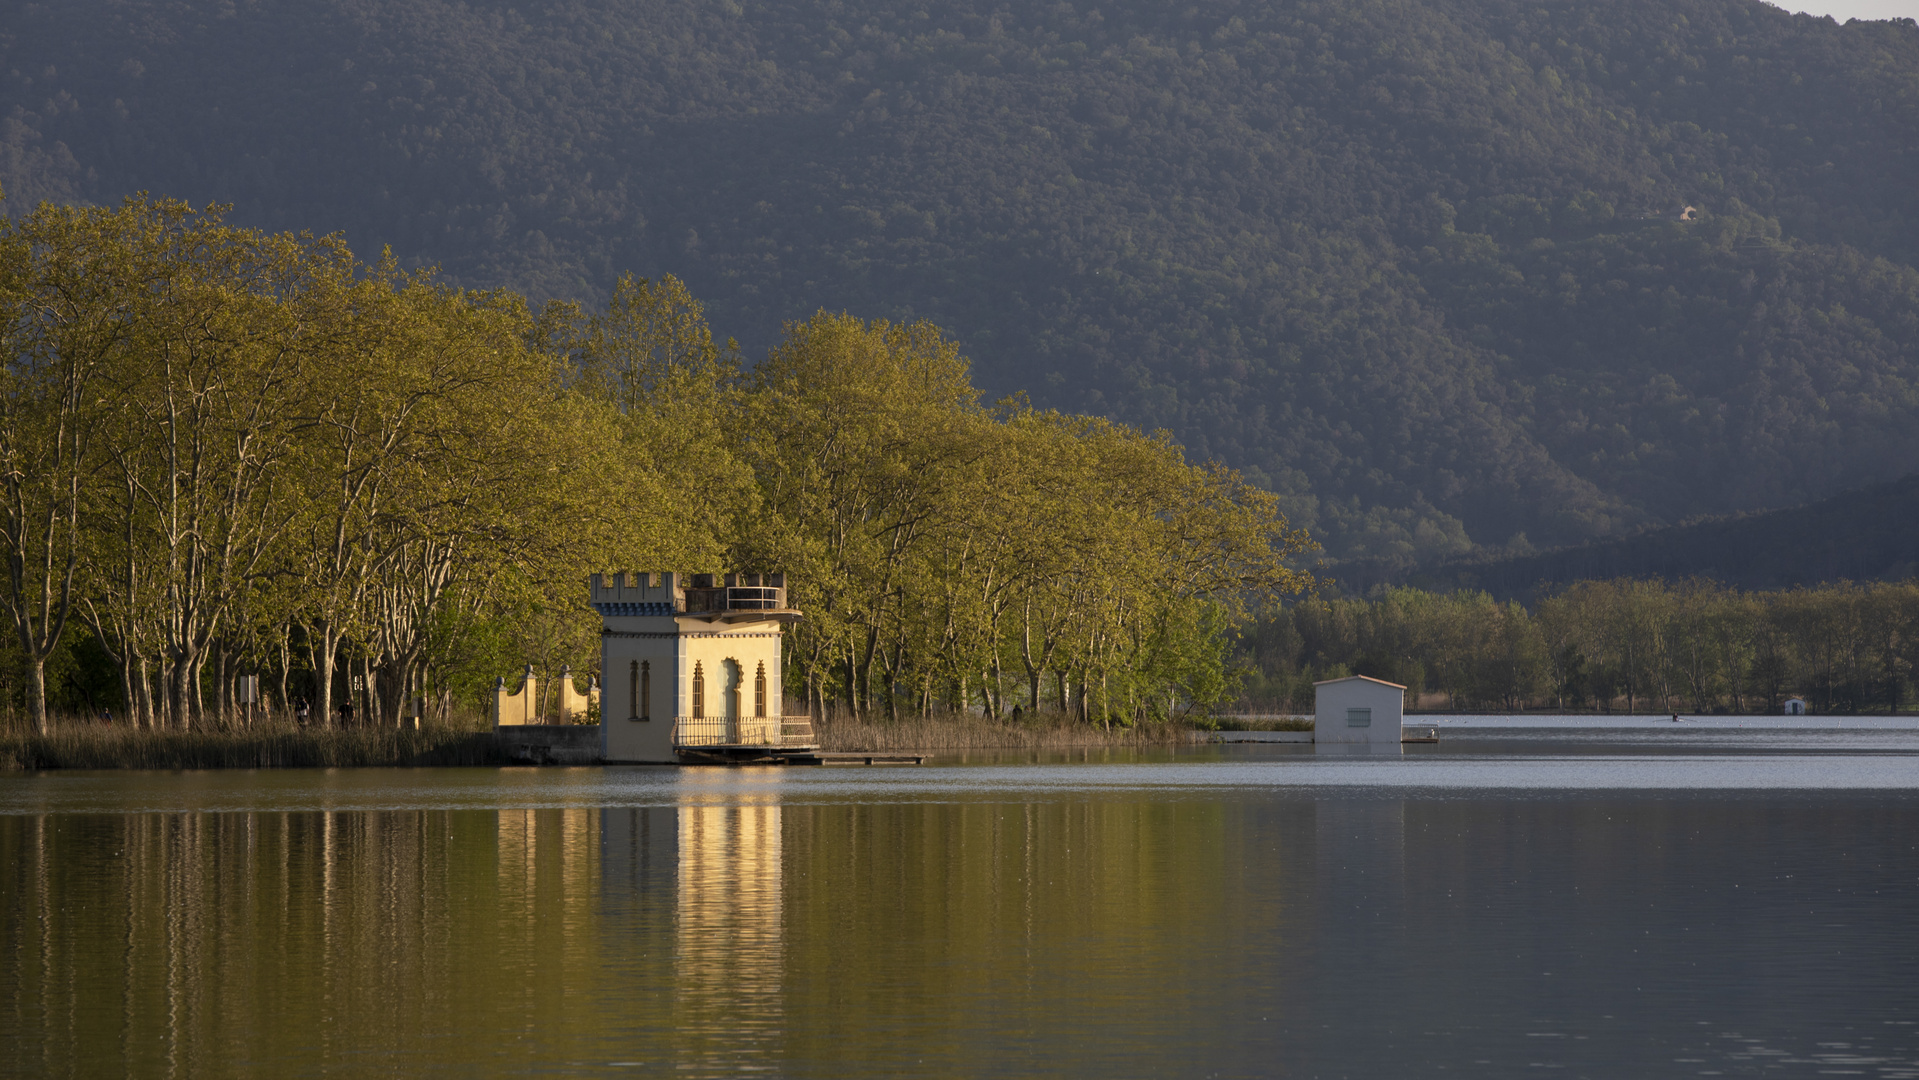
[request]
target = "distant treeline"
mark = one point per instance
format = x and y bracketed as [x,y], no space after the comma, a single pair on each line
[225,452]
[1620,645]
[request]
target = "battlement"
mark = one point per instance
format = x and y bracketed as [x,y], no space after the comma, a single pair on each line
[731,596]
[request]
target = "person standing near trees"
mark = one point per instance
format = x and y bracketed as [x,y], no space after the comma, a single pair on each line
[300,710]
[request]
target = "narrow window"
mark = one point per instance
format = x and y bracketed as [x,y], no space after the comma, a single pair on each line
[645,709]
[699,691]
[1359,718]
[759,691]
[633,689]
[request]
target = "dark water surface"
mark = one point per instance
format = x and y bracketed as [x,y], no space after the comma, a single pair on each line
[1503,904]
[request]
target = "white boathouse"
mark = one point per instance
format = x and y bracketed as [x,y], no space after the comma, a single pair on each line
[1358,710]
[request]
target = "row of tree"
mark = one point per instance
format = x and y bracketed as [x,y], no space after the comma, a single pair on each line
[959,555]
[225,452]
[1626,644]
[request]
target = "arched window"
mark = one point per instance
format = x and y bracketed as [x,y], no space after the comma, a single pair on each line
[759,690]
[646,690]
[699,690]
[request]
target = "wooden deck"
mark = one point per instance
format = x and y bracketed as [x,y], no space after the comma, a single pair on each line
[857,758]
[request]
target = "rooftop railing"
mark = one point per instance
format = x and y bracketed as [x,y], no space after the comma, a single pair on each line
[755,598]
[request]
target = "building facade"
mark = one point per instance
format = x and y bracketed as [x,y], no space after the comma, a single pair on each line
[1356,710]
[690,664]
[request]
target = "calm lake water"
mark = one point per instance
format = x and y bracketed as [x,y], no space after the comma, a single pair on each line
[1737,902]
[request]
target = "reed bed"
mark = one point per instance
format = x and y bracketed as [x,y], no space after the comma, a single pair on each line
[262,746]
[964,732]
[1278,722]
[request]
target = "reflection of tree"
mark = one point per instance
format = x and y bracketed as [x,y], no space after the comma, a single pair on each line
[180,944]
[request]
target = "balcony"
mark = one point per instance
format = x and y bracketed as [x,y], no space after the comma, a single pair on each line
[754,601]
[744,733]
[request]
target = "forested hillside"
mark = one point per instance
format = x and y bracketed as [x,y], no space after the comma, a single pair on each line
[1866,535]
[1410,263]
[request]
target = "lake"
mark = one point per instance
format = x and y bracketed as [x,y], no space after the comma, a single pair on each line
[1537,897]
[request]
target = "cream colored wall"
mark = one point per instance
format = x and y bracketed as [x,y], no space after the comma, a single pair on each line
[623,738]
[515,707]
[672,646]
[710,645]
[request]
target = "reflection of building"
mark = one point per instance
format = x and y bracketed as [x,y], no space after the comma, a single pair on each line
[691,667]
[729,957]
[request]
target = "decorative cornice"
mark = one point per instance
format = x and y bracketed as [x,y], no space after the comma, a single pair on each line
[630,608]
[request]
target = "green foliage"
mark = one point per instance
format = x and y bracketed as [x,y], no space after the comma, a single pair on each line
[270,457]
[1407,263]
[938,546]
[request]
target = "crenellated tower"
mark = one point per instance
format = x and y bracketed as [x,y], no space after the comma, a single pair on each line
[691,668]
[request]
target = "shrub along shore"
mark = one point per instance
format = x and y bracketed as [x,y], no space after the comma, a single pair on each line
[964,731]
[262,746]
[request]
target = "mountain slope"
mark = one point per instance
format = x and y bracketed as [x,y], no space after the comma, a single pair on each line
[1864,535]
[1407,262]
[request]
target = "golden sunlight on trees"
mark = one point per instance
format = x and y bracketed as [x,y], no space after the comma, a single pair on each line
[947,553]
[230,452]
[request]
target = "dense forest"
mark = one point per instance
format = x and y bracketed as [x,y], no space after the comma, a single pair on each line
[1626,645]
[1416,266]
[1868,534]
[229,453]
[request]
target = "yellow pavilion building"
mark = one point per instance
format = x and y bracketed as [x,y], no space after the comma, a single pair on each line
[691,668]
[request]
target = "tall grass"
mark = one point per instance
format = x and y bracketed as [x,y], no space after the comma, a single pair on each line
[958,731]
[267,745]
[1244,722]
[82,744]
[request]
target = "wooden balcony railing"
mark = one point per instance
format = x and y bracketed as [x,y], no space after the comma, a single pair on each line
[788,732]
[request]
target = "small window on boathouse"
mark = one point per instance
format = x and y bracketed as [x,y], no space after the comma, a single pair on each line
[1359,718]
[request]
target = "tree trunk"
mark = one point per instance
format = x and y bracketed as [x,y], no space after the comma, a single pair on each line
[321,652]
[179,701]
[286,665]
[129,696]
[222,689]
[37,692]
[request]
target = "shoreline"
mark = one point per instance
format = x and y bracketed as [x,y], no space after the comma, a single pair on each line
[264,746]
[280,745]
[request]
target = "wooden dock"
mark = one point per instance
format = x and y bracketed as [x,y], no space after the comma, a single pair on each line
[867,759]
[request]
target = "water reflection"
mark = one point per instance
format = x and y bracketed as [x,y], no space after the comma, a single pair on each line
[747,921]
[729,954]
